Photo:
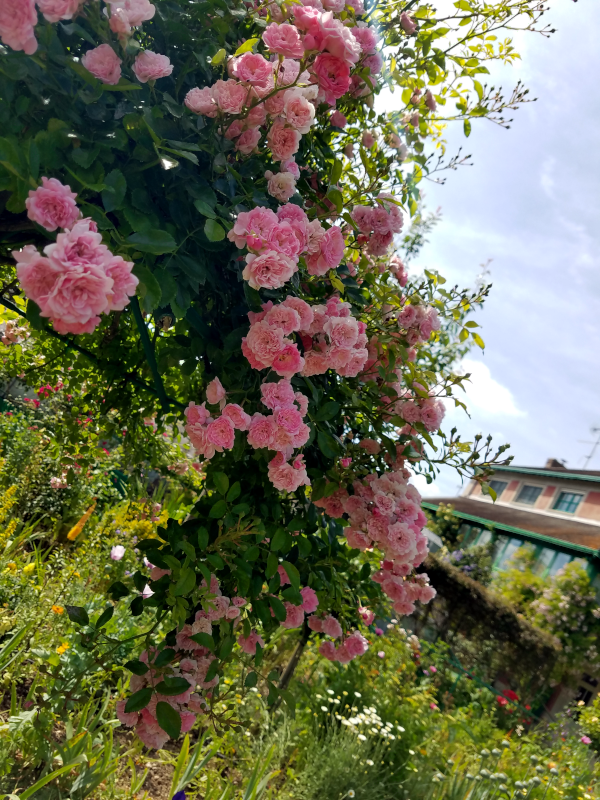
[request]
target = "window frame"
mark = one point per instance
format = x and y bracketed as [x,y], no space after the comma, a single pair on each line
[529,486]
[502,490]
[580,495]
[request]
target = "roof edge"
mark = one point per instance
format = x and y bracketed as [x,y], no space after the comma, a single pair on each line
[579,549]
[549,473]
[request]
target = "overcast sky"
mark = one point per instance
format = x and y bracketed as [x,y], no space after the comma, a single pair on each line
[531,203]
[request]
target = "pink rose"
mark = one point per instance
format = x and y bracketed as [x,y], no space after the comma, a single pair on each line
[53,10]
[149,66]
[307,18]
[302,308]
[333,75]
[124,282]
[297,110]
[261,431]
[331,251]
[287,478]
[283,39]
[253,68]
[201,101]
[265,342]
[283,576]
[103,63]
[36,274]
[282,186]
[371,446]
[238,417]
[221,433]
[288,418]
[366,39]
[367,615]
[338,119]
[248,643]
[277,395]
[129,718]
[215,392]
[290,166]
[52,205]
[230,96]
[119,22]
[288,362]
[248,141]
[356,645]
[284,318]
[332,627]
[430,100]
[338,40]
[283,142]
[17,20]
[310,599]
[342,331]
[368,140]
[294,616]
[407,23]
[362,216]
[357,5]
[379,243]
[316,624]
[197,415]
[327,650]
[315,363]
[77,298]
[271,270]
[252,228]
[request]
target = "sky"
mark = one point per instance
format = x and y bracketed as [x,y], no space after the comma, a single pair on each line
[531,205]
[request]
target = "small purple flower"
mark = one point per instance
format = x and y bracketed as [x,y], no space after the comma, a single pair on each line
[179,796]
[117,552]
[457,555]
[378,632]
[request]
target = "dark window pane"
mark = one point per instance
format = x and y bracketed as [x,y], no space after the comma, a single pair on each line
[529,494]
[498,486]
[568,501]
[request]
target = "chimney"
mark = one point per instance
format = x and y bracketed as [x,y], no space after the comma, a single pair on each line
[554,463]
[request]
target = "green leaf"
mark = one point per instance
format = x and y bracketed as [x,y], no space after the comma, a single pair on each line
[148,288]
[290,701]
[251,680]
[215,561]
[278,541]
[186,582]
[336,198]
[117,590]
[272,564]
[168,719]
[167,285]
[138,700]
[221,482]
[78,615]
[214,232]
[318,489]
[171,687]
[234,492]
[164,657]
[278,608]
[219,510]
[328,411]
[245,47]
[204,209]
[327,445]
[204,640]
[136,607]
[226,647]
[32,314]
[218,57]
[105,617]
[212,670]
[155,241]
[202,538]
[478,340]
[292,574]
[336,172]
[467,127]
[136,666]
[114,194]
[259,656]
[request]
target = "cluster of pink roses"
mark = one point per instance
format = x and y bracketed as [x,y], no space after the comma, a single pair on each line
[311,61]
[12,333]
[281,431]
[413,408]
[385,512]
[78,278]
[351,646]
[18,19]
[277,240]
[331,337]
[417,322]
[378,223]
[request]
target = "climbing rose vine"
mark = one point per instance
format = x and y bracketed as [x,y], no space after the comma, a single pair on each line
[202,210]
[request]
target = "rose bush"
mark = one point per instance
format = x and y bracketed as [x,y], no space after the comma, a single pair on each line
[192,160]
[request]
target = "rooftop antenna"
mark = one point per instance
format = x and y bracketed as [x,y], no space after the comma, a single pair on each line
[595,445]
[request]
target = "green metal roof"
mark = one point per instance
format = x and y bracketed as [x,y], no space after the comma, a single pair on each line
[548,473]
[538,538]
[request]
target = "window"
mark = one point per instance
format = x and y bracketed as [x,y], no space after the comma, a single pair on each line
[498,486]
[561,560]
[544,559]
[509,551]
[529,494]
[568,501]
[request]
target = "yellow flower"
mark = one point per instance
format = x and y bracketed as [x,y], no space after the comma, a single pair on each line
[11,565]
[27,570]
[63,648]
[58,609]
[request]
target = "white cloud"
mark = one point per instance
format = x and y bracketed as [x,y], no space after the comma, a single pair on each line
[425,489]
[547,181]
[486,395]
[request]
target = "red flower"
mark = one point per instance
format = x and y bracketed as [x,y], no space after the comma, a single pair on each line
[502,701]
